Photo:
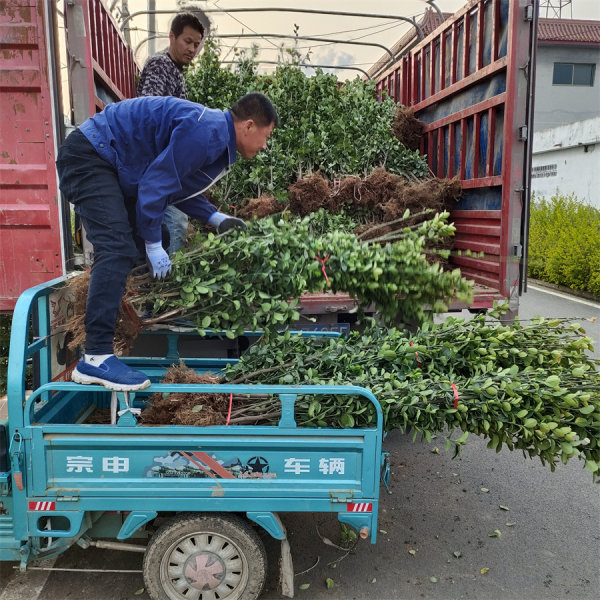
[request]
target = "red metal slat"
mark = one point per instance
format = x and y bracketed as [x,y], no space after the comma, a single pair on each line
[111,68]
[495,28]
[467,39]
[476,146]
[117,72]
[489,229]
[30,215]
[515,115]
[463,150]
[423,86]
[415,78]
[430,149]
[485,73]
[107,84]
[453,57]
[403,92]
[451,149]
[105,56]
[440,152]
[102,50]
[480,32]
[442,61]
[482,182]
[477,244]
[488,265]
[95,30]
[491,137]
[479,275]
[432,69]
[118,65]
[468,112]
[129,75]
[482,214]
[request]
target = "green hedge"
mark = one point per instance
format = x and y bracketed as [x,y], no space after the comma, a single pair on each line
[564,243]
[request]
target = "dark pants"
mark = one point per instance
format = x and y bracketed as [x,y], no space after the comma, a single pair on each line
[91,184]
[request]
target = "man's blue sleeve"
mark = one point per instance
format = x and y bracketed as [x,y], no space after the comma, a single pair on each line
[190,147]
[197,207]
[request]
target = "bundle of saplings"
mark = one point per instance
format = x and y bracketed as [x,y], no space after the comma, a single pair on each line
[254,279]
[529,386]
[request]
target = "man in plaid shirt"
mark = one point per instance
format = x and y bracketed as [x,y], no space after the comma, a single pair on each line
[163,76]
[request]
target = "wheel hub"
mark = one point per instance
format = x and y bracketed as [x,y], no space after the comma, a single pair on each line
[204,570]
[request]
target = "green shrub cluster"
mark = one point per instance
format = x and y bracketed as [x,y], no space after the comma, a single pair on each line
[336,128]
[564,243]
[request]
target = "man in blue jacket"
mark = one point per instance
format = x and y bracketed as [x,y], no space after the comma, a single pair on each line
[120,170]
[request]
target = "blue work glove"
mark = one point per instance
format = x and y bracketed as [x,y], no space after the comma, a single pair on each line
[224,222]
[158,259]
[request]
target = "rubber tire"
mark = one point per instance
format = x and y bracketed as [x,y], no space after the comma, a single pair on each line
[236,530]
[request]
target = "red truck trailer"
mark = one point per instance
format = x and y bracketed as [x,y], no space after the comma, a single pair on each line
[470,80]
[35,231]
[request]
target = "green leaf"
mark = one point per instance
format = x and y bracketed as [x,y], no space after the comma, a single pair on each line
[304,586]
[587,410]
[463,438]
[329,583]
[347,420]
[206,322]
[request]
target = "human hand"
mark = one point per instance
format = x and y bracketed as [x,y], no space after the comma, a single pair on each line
[158,259]
[230,223]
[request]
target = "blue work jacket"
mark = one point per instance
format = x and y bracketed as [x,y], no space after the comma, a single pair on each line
[165,151]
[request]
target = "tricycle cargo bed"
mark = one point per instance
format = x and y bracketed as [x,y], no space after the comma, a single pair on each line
[112,467]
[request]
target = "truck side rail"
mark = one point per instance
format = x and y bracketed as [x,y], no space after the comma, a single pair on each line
[288,395]
[33,302]
[469,81]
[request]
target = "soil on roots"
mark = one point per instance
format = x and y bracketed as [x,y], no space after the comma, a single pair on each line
[308,195]
[186,408]
[407,128]
[261,207]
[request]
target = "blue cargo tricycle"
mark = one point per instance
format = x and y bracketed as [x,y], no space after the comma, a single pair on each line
[189,498]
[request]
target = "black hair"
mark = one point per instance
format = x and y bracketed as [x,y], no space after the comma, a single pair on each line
[257,107]
[183,19]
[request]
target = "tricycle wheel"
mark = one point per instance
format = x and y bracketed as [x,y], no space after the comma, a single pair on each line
[205,557]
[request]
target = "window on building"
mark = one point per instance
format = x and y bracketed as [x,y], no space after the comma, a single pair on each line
[573,74]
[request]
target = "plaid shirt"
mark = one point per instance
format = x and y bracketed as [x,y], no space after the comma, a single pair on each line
[162,76]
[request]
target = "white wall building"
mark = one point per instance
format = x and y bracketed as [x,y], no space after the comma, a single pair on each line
[566,141]
[567,159]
